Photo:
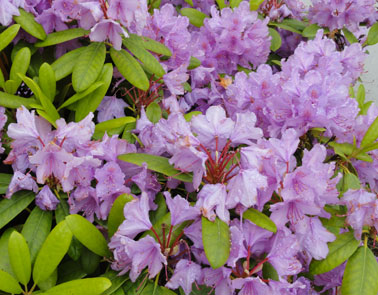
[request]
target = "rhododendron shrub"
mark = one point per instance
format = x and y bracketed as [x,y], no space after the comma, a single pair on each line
[187,147]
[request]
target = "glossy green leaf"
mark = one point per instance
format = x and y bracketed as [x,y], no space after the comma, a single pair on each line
[371,134]
[221,4]
[260,219]
[361,273]
[9,284]
[116,280]
[116,216]
[255,4]
[20,65]
[339,251]
[156,46]
[216,241]
[310,31]
[190,2]
[11,86]
[69,271]
[151,288]
[27,22]
[10,208]
[235,3]
[19,256]
[196,17]
[269,272]
[350,181]
[88,67]
[276,41]
[188,117]
[91,286]
[130,68]
[52,252]
[49,282]
[102,127]
[62,36]
[91,102]
[76,97]
[2,79]
[7,36]
[5,179]
[4,257]
[36,229]
[64,65]
[89,261]
[156,163]
[373,35]
[154,112]
[360,95]
[149,61]
[194,63]
[349,36]
[47,81]
[296,24]
[88,234]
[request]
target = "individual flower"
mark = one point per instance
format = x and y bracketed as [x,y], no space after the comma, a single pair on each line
[180,209]
[108,29]
[46,200]
[111,108]
[19,182]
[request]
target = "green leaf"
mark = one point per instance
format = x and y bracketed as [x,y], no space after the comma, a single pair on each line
[69,271]
[188,117]
[52,252]
[373,35]
[8,283]
[64,65]
[88,67]
[190,2]
[216,241]
[294,23]
[5,179]
[105,126]
[27,22]
[235,3]
[9,209]
[116,280]
[255,4]
[269,272]
[195,16]
[371,134]
[49,282]
[339,251]
[350,181]
[310,31]
[221,4]
[91,102]
[149,61]
[349,36]
[360,95]
[156,163]
[47,81]
[285,27]
[361,273]
[276,40]
[154,112]
[116,216]
[19,256]
[88,234]
[260,219]
[130,68]
[76,97]
[4,257]
[2,79]
[151,288]
[7,36]
[36,229]
[20,65]
[62,36]
[89,261]
[153,46]
[92,286]
[11,86]
[194,63]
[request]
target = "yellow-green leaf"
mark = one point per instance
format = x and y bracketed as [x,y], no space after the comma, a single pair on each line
[27,22]
[62,36]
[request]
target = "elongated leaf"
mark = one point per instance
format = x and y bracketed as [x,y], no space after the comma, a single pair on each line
[19,256]
[5,179]
[216,241]
[260,219]
[27,22]
[269,272]
[255,4]
[221,4]
[154,112]
[20,65]
[88,234]
[194,63]
[151,288]
[89,261]
[81,95]
[276,40]
[371,134]
[373,35]
[92,286]
[4,257]
[155,46]
[149,61]
[156,163]
[47,81]
[339,251]
[9,283]
[92,101]
[130,68]
[195,16]
[102,127]
[89,66]
[116,216]
[9,209]
[7,36]
[52,252]
[2,79]
[69,271]
[64,65]
[36,229]
[361,273]
[62,36]
[11,86]
[116,280]
[310,31]
[235,3]
[49,282]
[349,36]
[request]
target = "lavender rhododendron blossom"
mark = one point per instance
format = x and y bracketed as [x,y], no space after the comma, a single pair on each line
[219,147]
